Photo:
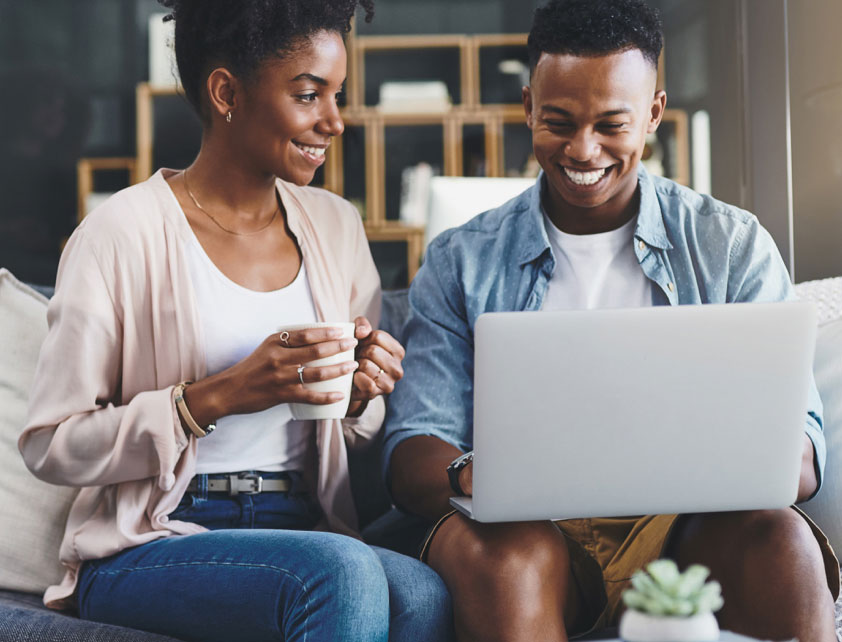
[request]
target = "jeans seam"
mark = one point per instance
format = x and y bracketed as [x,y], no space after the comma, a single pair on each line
[306,608]
[281,571]
[175,564]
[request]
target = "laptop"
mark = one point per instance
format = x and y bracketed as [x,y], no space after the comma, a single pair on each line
[610,413]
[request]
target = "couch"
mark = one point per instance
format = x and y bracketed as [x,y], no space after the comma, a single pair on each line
[34,512]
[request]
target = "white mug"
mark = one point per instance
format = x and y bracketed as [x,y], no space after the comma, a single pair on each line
[341,384]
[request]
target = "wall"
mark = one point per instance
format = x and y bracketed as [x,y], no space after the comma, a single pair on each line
[815,48]
[702,73]
[68,69]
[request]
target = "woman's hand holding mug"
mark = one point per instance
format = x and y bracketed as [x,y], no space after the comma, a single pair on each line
[379,356]
[273,374]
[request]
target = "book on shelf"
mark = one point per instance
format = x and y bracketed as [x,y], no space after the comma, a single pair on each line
[414,97]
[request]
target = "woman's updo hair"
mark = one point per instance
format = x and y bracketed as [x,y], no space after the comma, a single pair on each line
[241,34]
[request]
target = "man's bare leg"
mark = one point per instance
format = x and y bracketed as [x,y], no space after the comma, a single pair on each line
[509,582]
[771,570]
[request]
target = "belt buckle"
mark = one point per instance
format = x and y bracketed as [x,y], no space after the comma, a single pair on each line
[255,479]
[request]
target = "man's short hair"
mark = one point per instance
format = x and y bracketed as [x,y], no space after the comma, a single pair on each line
[595,28]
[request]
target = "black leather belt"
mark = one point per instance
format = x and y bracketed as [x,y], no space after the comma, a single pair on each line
[248,484]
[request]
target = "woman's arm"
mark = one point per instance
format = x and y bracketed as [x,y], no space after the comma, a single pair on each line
[79,432]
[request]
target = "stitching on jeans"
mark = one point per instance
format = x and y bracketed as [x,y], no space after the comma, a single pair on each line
[306,609]
[277,569]
[176,564]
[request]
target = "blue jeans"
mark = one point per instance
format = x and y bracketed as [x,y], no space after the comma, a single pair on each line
[258,574]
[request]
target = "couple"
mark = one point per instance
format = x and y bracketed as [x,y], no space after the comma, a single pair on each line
[164,325]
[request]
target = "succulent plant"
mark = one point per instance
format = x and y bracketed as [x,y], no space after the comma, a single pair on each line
[663,590]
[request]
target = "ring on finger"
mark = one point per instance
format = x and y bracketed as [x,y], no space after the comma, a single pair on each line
[301,373]
[284,338]
[379,372]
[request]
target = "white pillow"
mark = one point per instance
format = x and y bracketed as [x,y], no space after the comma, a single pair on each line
[826,507]
[826,294]
[34,513]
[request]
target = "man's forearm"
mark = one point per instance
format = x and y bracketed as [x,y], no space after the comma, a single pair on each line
[419,475]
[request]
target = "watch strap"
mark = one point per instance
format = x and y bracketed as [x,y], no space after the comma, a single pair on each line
[455,468]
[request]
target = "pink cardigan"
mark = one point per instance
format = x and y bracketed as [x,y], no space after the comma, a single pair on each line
[124,329]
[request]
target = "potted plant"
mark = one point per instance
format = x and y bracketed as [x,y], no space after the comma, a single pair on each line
[664,605]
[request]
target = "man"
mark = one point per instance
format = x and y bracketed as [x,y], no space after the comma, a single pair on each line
[595,231]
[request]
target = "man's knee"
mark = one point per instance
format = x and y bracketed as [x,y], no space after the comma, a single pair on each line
[785,540]
[774,535]
[773,531]
[499,557]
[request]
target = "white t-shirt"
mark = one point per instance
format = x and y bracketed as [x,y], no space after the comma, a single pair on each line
[594,271]
[235,320]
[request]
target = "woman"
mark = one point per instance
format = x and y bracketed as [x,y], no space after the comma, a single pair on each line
[190,277]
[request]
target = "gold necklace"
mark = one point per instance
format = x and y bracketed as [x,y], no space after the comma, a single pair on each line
[218,224]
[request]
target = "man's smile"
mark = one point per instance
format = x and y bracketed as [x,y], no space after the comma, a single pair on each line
[584,178]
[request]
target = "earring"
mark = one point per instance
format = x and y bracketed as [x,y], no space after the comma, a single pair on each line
[228,117]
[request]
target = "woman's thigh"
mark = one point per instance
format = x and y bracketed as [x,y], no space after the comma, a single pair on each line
[419,602]
[242,585]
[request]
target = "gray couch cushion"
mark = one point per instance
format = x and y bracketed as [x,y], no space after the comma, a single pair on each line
[23,618]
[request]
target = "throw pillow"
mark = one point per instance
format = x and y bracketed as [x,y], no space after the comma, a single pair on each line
[827,367]
[34,512]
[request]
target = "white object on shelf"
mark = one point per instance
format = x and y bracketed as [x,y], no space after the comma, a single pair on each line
[700,137]
[415,193]
[163,71]
[414,96]
[455,200]
[636,626]
[95,199]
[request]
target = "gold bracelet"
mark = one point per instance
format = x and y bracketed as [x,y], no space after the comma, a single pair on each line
[185,415]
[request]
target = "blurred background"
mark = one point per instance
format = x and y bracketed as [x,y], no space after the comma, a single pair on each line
[754,88]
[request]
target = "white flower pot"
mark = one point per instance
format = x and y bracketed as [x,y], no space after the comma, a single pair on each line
[642,627]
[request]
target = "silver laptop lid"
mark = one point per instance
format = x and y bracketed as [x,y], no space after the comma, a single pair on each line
[639,411]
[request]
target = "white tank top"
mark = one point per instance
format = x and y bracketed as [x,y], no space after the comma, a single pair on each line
[235,320]
[594,271]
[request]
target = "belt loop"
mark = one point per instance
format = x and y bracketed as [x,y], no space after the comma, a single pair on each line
[202,492]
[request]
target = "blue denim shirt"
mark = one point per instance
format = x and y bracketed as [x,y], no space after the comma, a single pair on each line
[694,248]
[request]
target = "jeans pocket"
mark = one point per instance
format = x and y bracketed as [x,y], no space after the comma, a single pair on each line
[188,504]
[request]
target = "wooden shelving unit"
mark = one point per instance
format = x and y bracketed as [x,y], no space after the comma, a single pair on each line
[85,169]
[381,225]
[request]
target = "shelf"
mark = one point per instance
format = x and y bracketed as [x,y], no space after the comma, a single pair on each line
[396,233]
[476,138]
[86,169]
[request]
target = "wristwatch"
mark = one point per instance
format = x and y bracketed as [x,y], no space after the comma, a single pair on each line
[455,468]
